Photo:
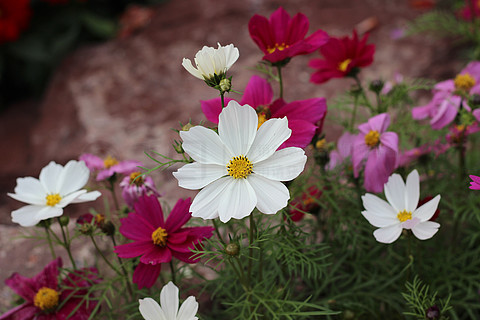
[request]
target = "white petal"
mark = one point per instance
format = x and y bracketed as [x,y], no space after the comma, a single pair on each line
[412,191]
[169,300]
[269,137]
[48,212]
[49,177]
[73,177]
[26,216]
[205,146]
[150,310]
[425,230]
[188,310]
[237,127]
[395,192]
[86,197]
[271,195]
[388,234]
[67,199]
[195,175]
[187,64]
[205,204]
[29,190]
[378,212]
[238,200]
[231,55]
[427,210]
[283,165]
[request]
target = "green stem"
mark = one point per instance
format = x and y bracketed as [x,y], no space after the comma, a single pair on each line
[461,158]
[354,113]
[217,231]
[362,92]
[172,269]
[280,80]
[103,256]
[47,230]
[114,196]
[66,245]
[127,277]
[222,98]
[250,250]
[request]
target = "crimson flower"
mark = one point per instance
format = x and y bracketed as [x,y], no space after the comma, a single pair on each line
[342,58]
[14,18]
[306,203]
[302,115]
[44,298]
[282,37]
[157,240]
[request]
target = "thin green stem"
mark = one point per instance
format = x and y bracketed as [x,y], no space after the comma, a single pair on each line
[103,256]
[222,93]
[217,231]
[354,113]
[280,80]
[250,250]
[362,92]
[66,245]
[172,270]
[125,272]
[114,196]
[47,230]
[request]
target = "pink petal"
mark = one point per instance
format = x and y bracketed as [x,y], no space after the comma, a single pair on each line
[24,311]
[149,208]
[145,275]
[156,255]
[93,162]
[212,108]
[179,215]
[390,140]
[311,110]
[135,227]
[302,134]
[257,93]
[133,249]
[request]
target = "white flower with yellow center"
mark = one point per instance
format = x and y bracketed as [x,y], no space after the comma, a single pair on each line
[57,187]
[400,212]
[239,168]
[210,61]
[168,308]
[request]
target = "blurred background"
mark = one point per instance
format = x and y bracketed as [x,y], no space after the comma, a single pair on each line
[105,77]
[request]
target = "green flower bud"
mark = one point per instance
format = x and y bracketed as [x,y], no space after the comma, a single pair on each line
[232,249]
[225,85]
[376,86]
[64,220]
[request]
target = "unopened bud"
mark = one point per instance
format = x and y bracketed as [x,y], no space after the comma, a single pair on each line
[64,220]
[86,229]
[232,249]
[433,313]
[225,85]
[376,86]
[187,127]
[108,228]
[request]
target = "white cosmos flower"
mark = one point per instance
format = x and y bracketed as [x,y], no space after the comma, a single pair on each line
[239,168]
[57,187]
[210,61]
[401,211]
[168,308]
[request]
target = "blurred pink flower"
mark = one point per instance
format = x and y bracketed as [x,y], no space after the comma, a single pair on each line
[379,148]
[466,12]
[302,115]
[109,166]
[157,240]
[475,184]
[136,186]
[343,151]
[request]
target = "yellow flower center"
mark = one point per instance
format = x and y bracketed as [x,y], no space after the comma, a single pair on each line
[99,218]
[372,138]
[464,82]
[262,117]
[46,299]
[320,144]
[404,215]
[279,47]
[135,177]
[239,167]
[342,66]
[159,237]
[109,162]
[53,199]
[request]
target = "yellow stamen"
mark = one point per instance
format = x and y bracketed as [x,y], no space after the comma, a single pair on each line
[239,167]
[464,82]
[372,138]
[404,215]
[262,117]
[109,162]
[320,144]
[135,177]
[46,299]
[53,199]
[342,66]
[159,237]
[279,47]
[99,218]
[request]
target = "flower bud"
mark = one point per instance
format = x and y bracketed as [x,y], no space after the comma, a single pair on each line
[187,127]
[108,228]
[225,85]
[64,220]
[376,86]
[86,229]
[232,249]
[433,313]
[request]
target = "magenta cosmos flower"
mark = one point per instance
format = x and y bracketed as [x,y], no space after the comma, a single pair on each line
[156,241]
[475,184]
[302,115]
[342,57]
[109,166]
[282,37]
[136,186]
[44,298]
[449,95]
[379,148]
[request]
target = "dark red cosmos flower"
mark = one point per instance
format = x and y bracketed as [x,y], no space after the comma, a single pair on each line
[306,203]
[342,57]
[14,18]
[44,298]
[157,240]
[283,37]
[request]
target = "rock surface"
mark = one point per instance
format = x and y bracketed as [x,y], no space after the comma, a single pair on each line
[123,97]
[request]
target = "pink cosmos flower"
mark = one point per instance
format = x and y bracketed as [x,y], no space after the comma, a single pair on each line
[109,166]
[458,133]
[157,240]
[344,150]
[45,300]
[302,115]
[466,12]
[379,148]
[342,57]
[475,184]
[282,37]
[136,186]
[447,97]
